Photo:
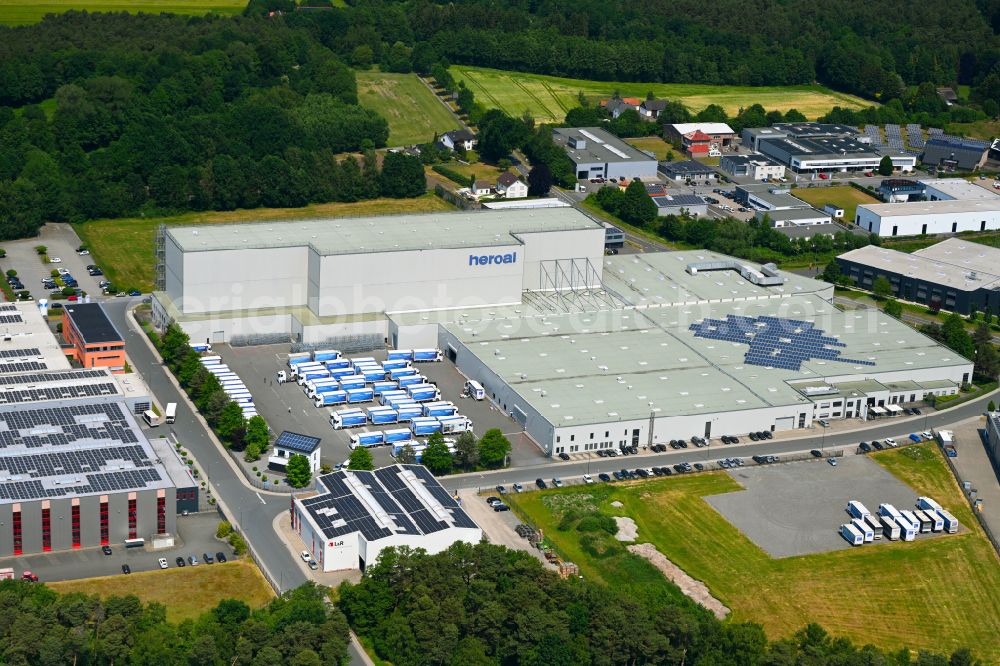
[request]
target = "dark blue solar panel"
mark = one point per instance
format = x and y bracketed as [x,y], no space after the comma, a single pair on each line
[296,442]
[775,342]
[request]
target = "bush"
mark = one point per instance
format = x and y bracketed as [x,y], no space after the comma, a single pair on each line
[600,545]
[598,522]
[12,273]
[41,249]
[570,517]
[223,530]
[451,175]
[238,543]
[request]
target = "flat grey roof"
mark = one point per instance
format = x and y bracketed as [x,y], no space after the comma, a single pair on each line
[949,263]
[607,366]
[906,208]
[793,214]
[600,146]
[810,230]
[959,188]
[352,235]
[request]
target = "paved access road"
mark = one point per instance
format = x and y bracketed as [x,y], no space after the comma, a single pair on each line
[846,441]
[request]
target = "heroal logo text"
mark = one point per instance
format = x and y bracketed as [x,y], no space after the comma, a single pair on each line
[487,259]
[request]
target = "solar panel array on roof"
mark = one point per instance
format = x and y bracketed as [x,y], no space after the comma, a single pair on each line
[774,342]
[57,392]
[56,426]
[11,319]
[294,441]
[20,353]
[14,380]
[22,366]
[382,503]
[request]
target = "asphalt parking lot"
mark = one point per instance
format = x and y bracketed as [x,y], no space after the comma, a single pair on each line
[797,508]
[286,407]
[62,242]
[196,535]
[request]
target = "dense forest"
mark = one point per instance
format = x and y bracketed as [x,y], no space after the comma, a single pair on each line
[45,628]
[486,605]
[108,115]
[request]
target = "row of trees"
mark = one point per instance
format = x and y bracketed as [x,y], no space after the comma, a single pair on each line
[252,436]
[488,452]
[44,627]
[483,605]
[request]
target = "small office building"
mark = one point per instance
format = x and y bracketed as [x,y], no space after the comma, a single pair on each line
[679,204]
[716,135]
[290,444]
[794,217]
[767,197]
[898,190]
[755,166]
[94,341]
[598,154]
[687,170]
[355,515]
[953,275]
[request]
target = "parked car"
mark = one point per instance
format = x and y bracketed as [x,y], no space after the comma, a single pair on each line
[604,477]
[491,499]
[557,482]
[135,292]
[55,260]
[891,442]
[563,455]
[501,507]
[106,550]
[180,561]
[832,461]
[588,478]
[517,488]
[877,445]
[220,557]
[502,490]
[206,558]
[541,483]
[163,563]
[816,453]
[126,569]
[305,556]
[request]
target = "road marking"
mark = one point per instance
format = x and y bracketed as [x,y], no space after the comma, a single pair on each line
[174,435]
[260,498]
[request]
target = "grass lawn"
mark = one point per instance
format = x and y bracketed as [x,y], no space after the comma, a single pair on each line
[936,594]
[123,247]
[844,196]
[477,169]
[548,98]
[655,145]
[413,111]
[23,12]
[982,129]
[187,592]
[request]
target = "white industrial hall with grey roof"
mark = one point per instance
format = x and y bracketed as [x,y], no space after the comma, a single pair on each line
[585,351]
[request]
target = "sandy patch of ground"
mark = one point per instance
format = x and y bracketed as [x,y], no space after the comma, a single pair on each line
[689,586]
[627,529]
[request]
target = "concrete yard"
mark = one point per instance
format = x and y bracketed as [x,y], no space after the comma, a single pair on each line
[286,407]
[797,508]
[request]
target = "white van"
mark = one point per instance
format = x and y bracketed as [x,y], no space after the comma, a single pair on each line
[171,412]
[151,418]
[474,389]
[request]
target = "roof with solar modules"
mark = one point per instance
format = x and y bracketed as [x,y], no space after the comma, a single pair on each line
[63,448]
[688,344]
[404,500]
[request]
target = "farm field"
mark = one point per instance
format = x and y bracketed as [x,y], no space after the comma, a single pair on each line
[844,196]
[548,98]
[414,113]
[935,594]
[187,592]
[24,12]
[124,246]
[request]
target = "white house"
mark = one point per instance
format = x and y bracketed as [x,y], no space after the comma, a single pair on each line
[511,187]
[458,138]
[290,444]
[482,188]
[357,514]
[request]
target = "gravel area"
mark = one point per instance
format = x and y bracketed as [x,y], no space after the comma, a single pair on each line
[627,529]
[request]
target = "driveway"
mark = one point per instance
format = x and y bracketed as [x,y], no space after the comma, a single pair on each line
[196,535]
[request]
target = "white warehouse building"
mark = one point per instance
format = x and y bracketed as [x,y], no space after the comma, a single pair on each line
[357,514]
[316,280]
[947,216]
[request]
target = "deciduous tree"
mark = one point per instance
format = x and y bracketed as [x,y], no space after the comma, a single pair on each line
[298,471]
[361,458]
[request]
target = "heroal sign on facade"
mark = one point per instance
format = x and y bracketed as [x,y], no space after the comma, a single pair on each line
[487,259]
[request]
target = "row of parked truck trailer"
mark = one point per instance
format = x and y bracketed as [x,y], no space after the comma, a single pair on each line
[232,385]
[895,524]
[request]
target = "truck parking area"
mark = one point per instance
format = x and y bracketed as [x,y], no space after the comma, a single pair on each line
[796,508]
[287,407]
